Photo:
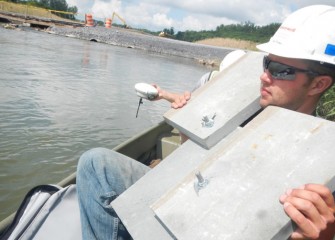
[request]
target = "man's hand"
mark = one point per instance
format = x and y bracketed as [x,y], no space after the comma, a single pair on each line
[176,100]
[312,208]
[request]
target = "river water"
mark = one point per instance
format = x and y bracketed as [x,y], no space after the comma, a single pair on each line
[62,96]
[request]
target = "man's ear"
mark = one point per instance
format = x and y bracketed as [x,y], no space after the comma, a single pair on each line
[320,84]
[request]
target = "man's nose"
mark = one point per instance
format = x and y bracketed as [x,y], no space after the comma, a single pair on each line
[265,77]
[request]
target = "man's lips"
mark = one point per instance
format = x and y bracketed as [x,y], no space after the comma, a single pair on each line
[264,91]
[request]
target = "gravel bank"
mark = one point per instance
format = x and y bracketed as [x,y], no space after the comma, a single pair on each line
[134,39]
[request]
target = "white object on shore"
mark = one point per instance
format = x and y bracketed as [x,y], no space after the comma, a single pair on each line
[145,90]
[231,58]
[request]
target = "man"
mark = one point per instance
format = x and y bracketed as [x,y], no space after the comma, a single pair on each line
[304,44]
[297,71]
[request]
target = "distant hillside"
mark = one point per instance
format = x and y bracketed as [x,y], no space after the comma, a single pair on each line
[245,31]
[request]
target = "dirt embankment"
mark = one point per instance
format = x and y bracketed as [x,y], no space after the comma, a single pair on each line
[230,43]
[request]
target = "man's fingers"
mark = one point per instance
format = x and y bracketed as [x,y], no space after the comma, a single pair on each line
[181,100]
[315,197]
[324,192]
[174,105]
[308,211]
[305,226]
[187,95]
[311,207]
[297,235]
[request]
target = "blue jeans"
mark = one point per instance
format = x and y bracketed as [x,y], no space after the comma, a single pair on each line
[102,175]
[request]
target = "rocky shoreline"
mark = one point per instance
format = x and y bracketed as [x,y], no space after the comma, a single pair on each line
[204,54]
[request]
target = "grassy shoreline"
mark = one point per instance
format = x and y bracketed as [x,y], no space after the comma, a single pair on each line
[27,10]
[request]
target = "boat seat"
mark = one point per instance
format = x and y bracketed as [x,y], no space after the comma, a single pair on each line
[167,143]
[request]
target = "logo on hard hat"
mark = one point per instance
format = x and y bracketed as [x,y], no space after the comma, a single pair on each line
[330,49]
[287,28]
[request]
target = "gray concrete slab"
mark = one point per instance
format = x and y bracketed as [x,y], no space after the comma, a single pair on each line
[133,206]
[279,149]
[232,96]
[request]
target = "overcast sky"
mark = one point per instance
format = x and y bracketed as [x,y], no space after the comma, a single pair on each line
[196,15]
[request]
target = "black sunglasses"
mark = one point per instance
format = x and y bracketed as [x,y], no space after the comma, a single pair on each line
[282,71]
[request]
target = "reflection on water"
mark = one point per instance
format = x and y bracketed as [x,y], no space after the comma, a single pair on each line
[61,96]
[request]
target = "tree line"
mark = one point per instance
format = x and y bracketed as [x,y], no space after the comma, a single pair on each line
[244,31]
[58,5]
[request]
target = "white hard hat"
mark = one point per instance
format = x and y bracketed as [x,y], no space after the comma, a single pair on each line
[308,33]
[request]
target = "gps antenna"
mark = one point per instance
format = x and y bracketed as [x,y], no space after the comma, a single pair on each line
[138,108]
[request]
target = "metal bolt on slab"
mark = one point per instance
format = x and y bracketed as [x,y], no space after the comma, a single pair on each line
[208,121]
[200,183]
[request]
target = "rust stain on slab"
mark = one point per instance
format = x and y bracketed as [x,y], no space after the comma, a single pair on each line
[316,129]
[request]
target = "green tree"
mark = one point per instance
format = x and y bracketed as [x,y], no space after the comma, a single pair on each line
[45,3]
[169,31]
[59,5]
[73,9]
[326,106]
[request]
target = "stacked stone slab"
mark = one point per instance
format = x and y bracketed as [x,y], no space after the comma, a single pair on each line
[229,99]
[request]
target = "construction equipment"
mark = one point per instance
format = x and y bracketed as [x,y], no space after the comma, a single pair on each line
[165,34]
[162,34]
[121,19]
